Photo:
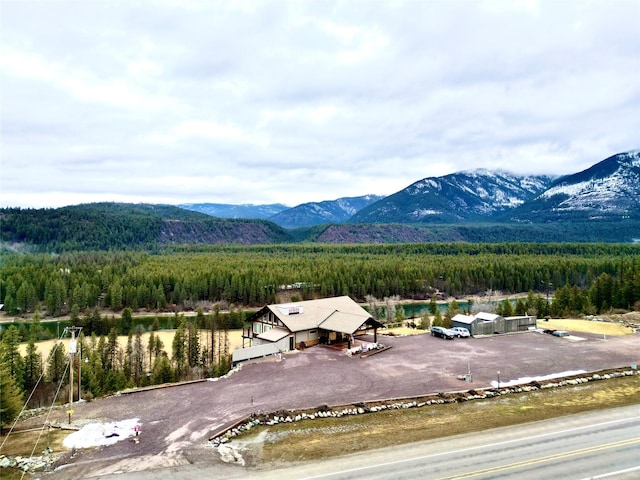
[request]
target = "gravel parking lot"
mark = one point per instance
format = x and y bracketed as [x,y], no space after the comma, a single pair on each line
[177,421]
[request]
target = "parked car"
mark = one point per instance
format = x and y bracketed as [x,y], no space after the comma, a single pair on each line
[560,333]
[460,332]
[442,333]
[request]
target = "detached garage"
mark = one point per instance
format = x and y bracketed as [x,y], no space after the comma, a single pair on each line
[485,323]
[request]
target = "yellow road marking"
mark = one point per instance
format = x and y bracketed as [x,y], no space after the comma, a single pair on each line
[544,459]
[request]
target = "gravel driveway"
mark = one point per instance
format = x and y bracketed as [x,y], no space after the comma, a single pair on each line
[177,421]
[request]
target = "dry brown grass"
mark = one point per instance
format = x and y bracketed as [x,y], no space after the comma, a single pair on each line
[400,331]
[586,326]
[22,443]
[235,342]
[323,438]
[28,443]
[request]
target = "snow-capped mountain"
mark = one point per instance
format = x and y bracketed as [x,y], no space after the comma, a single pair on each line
[223,210]
[317,213]
[465,196]
[610,189]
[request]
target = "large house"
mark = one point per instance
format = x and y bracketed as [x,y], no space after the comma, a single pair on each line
[288,326]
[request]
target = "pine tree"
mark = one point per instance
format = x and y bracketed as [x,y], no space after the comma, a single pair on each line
[74,315]
[96,372]
[438,321]
[32,366]
[138,358]
[425,322]
[10,355]
[433,305]
[128,357]
[193,345]
[10,397]
[507,308]
[56,363]
[126,322]
[36,331]
[452,310]
[112,349]
[215,321]
[179,355]
[162,371]
[151,347]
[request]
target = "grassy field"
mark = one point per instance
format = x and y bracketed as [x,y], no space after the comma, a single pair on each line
[235,341]
[586,326]
[22,443]
[324,438]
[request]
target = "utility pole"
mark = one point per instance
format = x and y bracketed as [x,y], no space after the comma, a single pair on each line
[547,284]
[72,351]
[80,374]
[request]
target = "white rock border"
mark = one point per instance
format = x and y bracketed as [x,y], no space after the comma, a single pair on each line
[324,411]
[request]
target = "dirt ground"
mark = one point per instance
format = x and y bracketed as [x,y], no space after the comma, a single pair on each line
[177,421]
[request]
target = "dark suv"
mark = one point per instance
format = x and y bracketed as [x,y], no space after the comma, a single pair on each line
[442,333]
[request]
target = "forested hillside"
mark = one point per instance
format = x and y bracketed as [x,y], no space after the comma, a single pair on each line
[111,226]
[108,226]
[619,231]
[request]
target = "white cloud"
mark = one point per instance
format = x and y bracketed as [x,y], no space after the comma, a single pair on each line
[262,102]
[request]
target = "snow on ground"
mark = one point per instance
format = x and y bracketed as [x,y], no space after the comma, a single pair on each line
[98,434]
[525,380]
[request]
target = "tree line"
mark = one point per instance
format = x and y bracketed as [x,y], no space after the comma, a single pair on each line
[200,349]
[181,278]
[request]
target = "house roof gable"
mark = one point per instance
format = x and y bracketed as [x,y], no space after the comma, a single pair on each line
[344,322]
[340,314]
[274,334]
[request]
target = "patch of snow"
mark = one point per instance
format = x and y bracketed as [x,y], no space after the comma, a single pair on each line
[230,454]
[524,380]
[101,434]
[424,212]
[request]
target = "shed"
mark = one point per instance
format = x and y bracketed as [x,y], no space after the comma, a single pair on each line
[484,323]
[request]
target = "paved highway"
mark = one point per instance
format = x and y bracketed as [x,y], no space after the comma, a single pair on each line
[591,446]
[597,445]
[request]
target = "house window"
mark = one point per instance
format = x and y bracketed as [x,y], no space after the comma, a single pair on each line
[257,328]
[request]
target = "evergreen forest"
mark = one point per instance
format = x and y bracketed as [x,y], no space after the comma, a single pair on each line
[102,291]
[252,276]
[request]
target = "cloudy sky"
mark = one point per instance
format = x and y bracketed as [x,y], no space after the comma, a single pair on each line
[176,101]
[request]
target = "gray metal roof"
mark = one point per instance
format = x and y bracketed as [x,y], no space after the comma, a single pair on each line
[274,334]
[339,314]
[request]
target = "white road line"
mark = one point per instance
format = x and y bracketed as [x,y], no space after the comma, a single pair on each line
[465,450]
[612,474]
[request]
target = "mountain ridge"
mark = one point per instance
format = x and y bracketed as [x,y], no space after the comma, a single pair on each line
[245,210]
[327,211]
[601,203]
[608,189]
[470,195]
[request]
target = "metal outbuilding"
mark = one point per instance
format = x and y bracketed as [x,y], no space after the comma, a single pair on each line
[484,323]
